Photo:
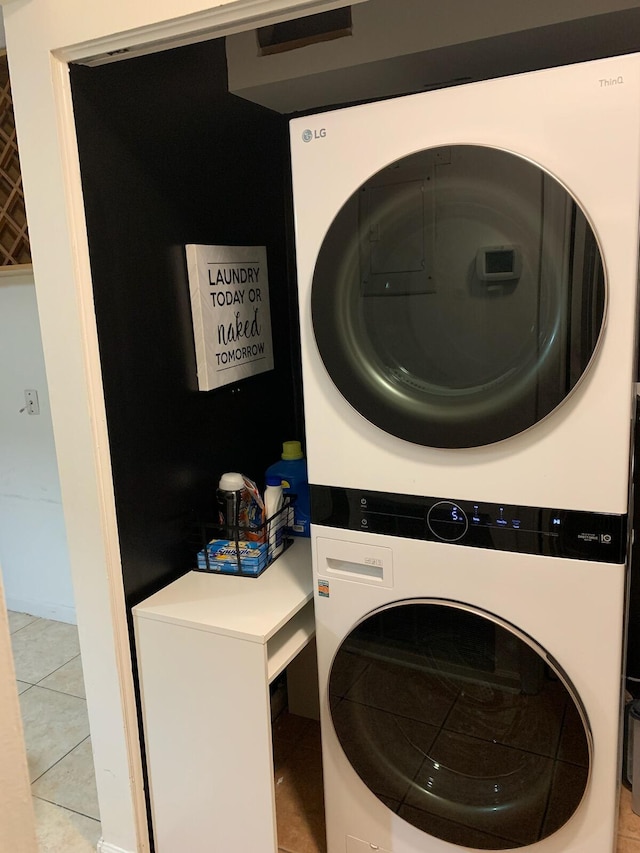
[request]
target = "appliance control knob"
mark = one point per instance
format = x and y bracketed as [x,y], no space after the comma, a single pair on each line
[447,521]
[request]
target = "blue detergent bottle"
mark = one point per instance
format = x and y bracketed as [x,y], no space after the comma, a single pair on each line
[292,470]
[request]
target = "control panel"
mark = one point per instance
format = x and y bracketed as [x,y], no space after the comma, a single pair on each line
[550,532]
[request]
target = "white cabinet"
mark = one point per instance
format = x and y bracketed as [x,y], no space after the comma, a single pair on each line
[207,647]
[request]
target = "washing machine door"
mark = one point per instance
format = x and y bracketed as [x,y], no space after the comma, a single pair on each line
[460,724]
[458,296]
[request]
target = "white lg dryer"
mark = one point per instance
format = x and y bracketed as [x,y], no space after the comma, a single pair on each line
[467,273]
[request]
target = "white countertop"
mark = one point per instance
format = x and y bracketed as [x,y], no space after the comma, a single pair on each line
[249,608]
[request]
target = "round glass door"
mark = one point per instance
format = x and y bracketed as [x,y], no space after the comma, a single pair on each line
[458,296]
[460,724]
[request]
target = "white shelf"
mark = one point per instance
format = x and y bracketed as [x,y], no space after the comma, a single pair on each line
[208,646]
[289,641]
[248,608]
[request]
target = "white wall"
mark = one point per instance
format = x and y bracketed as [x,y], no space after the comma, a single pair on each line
[33,545]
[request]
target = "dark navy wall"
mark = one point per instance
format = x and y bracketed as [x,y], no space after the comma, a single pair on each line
[168,157]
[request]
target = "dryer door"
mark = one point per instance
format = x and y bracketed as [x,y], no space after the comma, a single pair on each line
[458,296]
[460,724]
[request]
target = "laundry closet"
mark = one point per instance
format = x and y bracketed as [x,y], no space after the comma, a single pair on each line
[190,144]
[169,156]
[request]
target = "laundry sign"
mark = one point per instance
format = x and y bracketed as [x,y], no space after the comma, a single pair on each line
[229,289]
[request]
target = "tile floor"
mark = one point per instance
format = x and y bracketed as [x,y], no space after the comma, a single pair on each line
[628,826]
[49,674]
[297,762]
[56,729]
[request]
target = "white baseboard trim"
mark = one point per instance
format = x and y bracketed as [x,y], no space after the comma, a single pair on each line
[59,612]
[105,847]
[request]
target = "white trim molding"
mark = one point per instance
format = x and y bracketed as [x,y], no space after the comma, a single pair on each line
[232,17]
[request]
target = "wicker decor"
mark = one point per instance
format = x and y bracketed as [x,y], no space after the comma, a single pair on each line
[14,238]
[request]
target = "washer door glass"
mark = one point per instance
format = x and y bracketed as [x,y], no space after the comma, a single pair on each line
[460,724]
[458,296]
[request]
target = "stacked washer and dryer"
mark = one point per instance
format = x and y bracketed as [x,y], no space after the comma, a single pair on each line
[467,268]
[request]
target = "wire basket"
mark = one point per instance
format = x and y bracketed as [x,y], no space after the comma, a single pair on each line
[245,551]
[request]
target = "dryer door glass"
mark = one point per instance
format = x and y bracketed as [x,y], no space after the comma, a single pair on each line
[460,724]
[458,296]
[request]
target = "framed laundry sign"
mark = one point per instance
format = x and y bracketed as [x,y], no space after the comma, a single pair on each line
[229,289]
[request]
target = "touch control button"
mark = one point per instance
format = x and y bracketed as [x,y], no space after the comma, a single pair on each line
[447,521]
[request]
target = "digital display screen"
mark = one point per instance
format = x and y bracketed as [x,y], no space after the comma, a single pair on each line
[500,261]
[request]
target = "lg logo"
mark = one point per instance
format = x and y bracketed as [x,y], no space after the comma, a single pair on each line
[308,135]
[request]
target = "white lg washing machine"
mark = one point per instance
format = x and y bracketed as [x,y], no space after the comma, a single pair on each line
[470,697]
[467,271]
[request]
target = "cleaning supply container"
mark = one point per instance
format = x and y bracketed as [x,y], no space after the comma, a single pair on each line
[292,471]
[274,519]
[229,495]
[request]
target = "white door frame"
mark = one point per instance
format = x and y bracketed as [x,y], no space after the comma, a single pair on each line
[55,209]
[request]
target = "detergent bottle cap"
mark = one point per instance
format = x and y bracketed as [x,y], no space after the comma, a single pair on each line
[292,450]
[231,482]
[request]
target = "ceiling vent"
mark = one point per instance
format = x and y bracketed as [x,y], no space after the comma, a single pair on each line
[290,35]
